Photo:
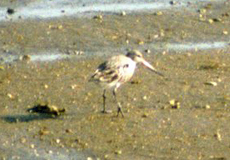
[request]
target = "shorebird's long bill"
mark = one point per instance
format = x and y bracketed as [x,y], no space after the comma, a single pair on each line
[149,66]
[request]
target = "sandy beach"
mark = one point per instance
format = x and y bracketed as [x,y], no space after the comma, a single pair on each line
[48,58]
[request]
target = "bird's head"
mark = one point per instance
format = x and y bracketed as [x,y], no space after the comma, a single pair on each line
[137,56]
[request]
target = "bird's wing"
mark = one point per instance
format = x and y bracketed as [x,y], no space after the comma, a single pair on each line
[110,70]
[105,73]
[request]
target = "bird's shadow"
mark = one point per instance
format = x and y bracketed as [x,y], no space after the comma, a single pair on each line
[26,118]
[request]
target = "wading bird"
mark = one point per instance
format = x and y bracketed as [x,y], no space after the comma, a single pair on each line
[117,70]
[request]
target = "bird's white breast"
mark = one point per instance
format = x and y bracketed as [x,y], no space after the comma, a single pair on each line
[126,68]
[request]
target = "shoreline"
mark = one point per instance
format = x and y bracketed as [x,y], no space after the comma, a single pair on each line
[189,47]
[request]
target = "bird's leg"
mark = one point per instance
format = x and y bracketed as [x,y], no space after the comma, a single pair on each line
[104,98]
[119,110]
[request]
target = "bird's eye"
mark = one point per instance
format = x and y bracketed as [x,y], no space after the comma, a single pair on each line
[126,66]
[138,55]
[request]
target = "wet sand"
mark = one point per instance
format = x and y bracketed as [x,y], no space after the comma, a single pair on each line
[198,78]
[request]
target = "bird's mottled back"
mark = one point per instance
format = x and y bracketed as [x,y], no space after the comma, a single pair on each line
[117,69]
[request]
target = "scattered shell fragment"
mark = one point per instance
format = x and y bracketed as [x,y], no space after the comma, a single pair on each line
[26,57]
[148,51]
[74,86]
[208,6]
[217,20]
[43,131]
[225,15]
[156,36]
[144,115]
[23,140]
[145,98]
[2,68]
[207,106]
[45,108]
[174,104]
[46,86]
[159,13]
[225,32]
[210,21]
[140,42]
[32,146]
[55,27]
[118,152]
[10,96]
[209,66]
[106,156]
[58,140]
[202,11]
[218,136]
[68,131]
[211,83]
[89,158]
[135,81]
[99,17]
[172,2]
[76,52]
[60,27]
[123,13]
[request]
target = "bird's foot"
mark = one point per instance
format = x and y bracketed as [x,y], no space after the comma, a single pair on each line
[119,111]
[106,111]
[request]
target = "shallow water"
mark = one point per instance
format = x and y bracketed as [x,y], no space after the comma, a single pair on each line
[50,56]
[61,8]
[197,46]
[44,11]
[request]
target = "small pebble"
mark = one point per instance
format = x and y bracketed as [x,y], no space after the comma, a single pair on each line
[145,115]
[211,83]
[68,131]
[10,11]
[217,19]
